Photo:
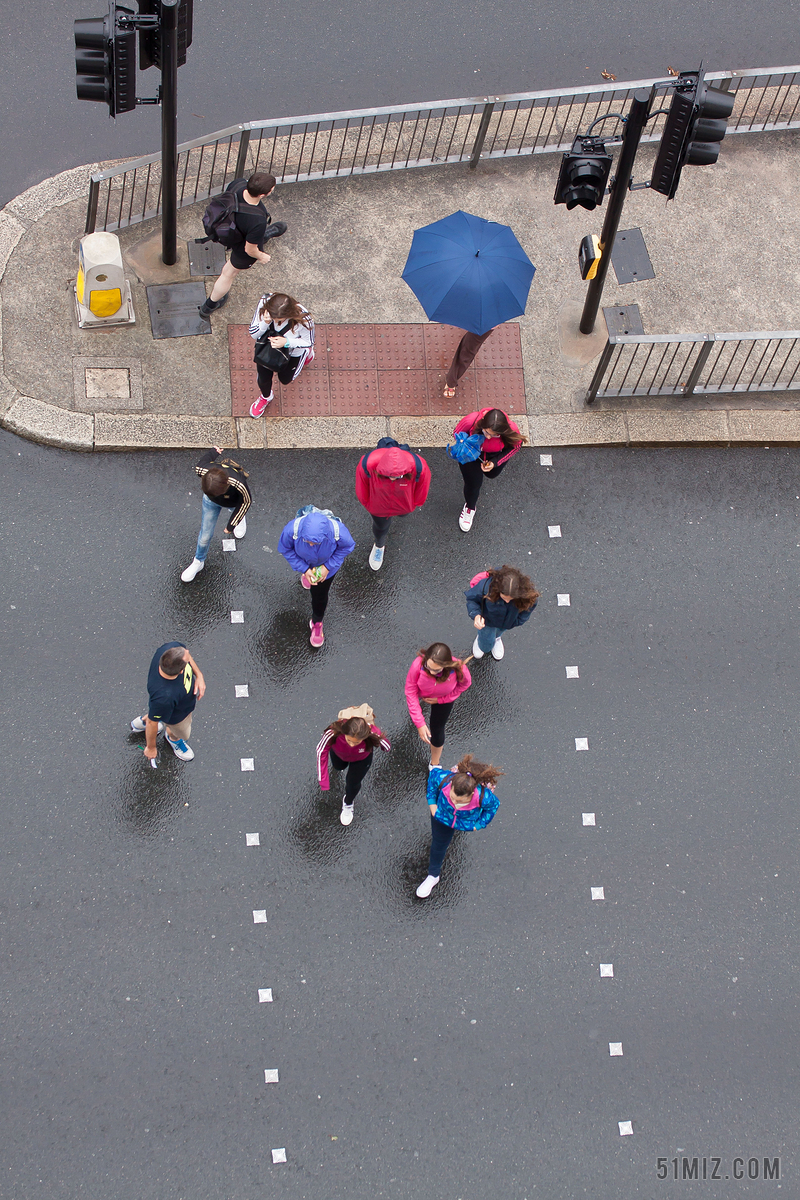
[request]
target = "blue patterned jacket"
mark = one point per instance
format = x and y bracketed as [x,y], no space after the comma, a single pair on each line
[466,819]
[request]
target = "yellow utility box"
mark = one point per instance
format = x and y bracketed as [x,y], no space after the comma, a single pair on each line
[102,293]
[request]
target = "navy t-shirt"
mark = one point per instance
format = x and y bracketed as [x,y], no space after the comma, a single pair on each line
[170,699]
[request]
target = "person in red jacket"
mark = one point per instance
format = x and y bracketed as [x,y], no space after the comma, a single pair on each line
[391,481]
[502,440]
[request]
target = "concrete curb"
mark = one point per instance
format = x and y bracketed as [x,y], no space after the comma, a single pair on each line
[46,422]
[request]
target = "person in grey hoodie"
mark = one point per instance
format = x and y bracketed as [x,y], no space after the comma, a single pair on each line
[315,544]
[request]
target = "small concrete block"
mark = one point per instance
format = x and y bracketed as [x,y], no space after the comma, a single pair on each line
[625,1128]
[748,425]
[545,460]
[113,383]
[588,818]
[251,839]
[615,1049]
[156,431]
[237,616]
[606,970]
[248,764]
[49,424]
[423,431]
[279,1155]
[271,1075]
[554,530]
[265,995]
[598,893]
[578,429]
[297,433]
[581,743]
[251,435]
[242,690]
[229,545]
[572,672]
[563,599]
[705,426]
[259,916]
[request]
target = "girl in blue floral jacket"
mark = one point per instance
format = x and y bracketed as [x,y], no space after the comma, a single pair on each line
[458,799]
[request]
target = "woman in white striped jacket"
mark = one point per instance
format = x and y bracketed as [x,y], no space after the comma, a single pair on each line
[288,327]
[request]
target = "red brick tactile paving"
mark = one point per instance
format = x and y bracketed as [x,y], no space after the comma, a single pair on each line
[394,370]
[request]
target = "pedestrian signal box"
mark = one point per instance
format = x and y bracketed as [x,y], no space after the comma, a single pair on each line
[589,256]
[102,293]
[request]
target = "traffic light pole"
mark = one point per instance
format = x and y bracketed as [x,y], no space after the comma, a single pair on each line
[634,126]
[169,131]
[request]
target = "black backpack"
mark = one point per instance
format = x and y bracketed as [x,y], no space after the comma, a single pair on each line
[219,219]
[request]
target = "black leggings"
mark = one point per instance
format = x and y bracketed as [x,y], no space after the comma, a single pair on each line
[437,722]
[355,774]
[319,597]
[285,375]
[473,480]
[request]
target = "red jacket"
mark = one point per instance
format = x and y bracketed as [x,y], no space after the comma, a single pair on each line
[386,497]
[471,424]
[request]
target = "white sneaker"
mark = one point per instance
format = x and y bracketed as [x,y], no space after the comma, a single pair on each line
[476,650]
[376,557]
[498,649]
[426,887]
[194,568]
[181,748]
[466,519]
[241,529]
[138,725]
[346,815]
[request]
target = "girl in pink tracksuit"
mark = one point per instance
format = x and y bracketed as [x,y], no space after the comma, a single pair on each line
[348,744]
[438,679]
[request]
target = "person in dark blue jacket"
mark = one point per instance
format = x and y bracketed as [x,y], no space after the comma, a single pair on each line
[316,543]
[496,601]
[459,799]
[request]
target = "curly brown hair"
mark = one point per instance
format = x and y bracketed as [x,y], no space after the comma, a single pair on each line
[509,581]
[470,774]
[356,727]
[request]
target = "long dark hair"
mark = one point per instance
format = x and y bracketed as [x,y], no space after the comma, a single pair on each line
[498,422]
[355,727]
[511,582]
[470,774]
[443,655]
[281,307]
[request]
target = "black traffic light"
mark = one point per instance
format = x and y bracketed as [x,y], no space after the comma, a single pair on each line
[584,173]
[150,39]
[696,124]
[105,61]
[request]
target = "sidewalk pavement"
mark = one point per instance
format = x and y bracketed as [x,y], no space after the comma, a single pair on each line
[723,251]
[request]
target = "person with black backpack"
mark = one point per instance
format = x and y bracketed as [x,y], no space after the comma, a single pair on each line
[238,220]
[391,481]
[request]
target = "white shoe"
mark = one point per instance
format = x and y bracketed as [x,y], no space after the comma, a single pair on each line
[498,649]
[241,529]
[194,568]
[181,748]
[138,725]
[426,887]
[346,815]
[476,650]
[376,557]
[466,519]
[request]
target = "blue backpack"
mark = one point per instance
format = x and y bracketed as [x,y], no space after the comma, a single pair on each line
[467,447]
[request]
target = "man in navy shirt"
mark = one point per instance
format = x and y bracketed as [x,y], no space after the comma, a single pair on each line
[174,685]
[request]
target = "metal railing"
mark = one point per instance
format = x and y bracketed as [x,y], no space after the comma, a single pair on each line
[667,364]
[333,145]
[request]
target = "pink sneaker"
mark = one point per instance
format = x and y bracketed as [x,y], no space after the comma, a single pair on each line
[259,406]
[317,636]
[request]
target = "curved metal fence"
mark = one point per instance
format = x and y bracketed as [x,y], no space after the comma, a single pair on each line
[396,138]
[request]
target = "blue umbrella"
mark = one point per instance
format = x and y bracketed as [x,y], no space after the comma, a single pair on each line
[469,272]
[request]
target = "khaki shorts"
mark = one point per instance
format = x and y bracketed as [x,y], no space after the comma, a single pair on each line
[182,730]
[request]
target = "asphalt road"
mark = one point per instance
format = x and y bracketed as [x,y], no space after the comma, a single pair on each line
[459,1047]
[250,61]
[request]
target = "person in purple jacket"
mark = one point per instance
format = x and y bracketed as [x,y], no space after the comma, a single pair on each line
[315,544]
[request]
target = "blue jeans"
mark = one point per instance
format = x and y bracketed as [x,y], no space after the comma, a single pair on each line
[208,523]
[487,638]
[441,837]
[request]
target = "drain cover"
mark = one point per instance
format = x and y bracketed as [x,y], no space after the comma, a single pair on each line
[173,309]
[625,318]
[630,259]
[208,259]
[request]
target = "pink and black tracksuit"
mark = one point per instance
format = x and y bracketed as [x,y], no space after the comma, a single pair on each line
[357,760]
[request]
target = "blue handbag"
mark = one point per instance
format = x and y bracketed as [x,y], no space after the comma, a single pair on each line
[467,447]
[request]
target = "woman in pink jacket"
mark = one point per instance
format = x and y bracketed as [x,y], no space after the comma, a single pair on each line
[438,679]
[502,440]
